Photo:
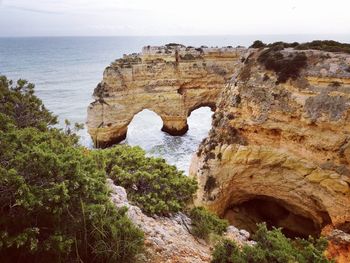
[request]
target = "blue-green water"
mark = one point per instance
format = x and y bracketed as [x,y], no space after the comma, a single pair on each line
[67,69]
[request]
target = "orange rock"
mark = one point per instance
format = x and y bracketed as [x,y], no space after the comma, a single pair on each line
[279,152]
[171,81]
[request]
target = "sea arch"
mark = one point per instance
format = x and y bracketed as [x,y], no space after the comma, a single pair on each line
[172,81]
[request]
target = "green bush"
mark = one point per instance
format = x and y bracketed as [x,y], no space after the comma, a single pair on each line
[19,103]
[285,67]
[324,45]
[152,184]
[271,246]
[258,44]
[289,67]
[188,57]
[205,223]
[54,203]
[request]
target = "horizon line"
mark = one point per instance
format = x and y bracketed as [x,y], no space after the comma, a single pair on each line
[193,35]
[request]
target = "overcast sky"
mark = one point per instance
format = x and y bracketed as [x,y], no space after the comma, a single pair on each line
[179,17]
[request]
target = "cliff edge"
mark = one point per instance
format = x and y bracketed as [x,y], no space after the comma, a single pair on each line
[279,148]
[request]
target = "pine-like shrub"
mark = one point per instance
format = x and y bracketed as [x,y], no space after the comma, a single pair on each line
[272,246]
[286,67]
[19,103]
[54,203]
[152,184]
[205,223]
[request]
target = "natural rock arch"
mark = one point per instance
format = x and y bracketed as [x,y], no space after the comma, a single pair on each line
[172,81]
[114,124]
[211,106]
[155,117]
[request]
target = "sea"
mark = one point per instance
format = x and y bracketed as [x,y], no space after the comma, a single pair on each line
[65,71]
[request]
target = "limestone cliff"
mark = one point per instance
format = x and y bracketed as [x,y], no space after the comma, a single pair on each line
[279,148]
[279,151]
[171,80]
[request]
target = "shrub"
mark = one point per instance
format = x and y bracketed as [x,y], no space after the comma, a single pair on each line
[205,223]
[152,184]
[324,45]
[19,103]
[188,57]
[283,44]
[285,67]
[173,45]
[54,203]
[258,44]
[271,246]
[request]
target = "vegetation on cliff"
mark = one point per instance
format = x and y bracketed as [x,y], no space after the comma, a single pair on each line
[54,203]
[152,184]
[22,107]
[323,45]
[271,246]
[286,67]
[205,223]
[54,200]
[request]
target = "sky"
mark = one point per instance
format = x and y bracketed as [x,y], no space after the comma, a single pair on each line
[179,17]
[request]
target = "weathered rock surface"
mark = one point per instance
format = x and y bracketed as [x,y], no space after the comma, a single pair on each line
[339,246]
[280,153]
[168,239]
[277,152]
[170,80]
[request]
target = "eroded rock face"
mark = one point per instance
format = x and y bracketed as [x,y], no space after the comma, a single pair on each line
[280,153]
[168,239]
[339,246]
[171,81]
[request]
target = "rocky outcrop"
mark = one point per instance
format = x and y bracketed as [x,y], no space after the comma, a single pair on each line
[169,239]
[171,80]
[339,246]
[280,152]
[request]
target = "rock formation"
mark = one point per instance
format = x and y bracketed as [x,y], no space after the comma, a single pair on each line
[168,239]
[339,246]
[280,152]
[171,80]
[279,148]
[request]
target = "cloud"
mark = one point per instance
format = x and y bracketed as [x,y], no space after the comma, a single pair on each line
[31,9]
[158,17]
[73,7]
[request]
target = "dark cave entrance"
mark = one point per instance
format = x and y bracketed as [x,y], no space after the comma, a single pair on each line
[276,214]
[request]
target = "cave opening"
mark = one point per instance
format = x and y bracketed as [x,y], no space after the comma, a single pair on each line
[274,213]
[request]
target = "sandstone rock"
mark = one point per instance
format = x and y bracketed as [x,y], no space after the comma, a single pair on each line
[171,81]
[339,246]
[279,152]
